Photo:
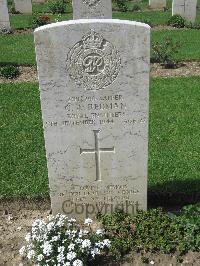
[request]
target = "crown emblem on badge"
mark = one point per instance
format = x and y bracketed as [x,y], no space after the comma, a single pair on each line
[91,3]
[92,40]
[93,62]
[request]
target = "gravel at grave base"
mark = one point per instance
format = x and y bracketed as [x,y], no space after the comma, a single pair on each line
[17,216]
[186,69]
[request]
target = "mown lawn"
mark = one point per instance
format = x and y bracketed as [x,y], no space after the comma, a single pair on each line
[155,17]
[173,149]
[19,49]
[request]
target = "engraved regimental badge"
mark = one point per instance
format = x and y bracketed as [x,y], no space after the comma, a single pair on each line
[94,62]
[91,3]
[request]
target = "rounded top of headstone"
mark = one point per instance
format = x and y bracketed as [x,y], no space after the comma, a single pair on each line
[92,21]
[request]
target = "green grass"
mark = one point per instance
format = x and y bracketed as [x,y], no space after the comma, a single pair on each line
[19,49]
[174,138]
[189,41]
[174,135]
[25,21]
[155,17]
[23,166]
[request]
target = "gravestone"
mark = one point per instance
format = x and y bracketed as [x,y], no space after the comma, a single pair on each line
[92,9]
[94,83]
[4,16]
[38,1]
[23,6]
[157,4]
[186,8]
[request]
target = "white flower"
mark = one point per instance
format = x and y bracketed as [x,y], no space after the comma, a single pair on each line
[71,247]
[72,220]
[28,237]
[22,250]
[86,243]
[61,249]
[152,262]
[94,252]
[71,255]
[88,221]
[106,243]
[39,223]
[66,264]
[100,232]
[55,238]
[30,254]
[77,263]
[85,232]
[47,248]
[61,257]
[50,226]
[60,223]
[78,240]
[40,257]
[68,232]
[99,244]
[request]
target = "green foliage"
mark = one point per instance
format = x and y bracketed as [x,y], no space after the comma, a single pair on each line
[177,21]
[13,10]
[147,21]
[190,220]
[57,6]
[163,52]
[122,5]
[153,231]
[195,26]
[40,21]
[9,72]
[136,7]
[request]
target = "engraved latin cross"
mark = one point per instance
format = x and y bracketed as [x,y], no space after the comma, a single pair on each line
[184,5]
[97,151]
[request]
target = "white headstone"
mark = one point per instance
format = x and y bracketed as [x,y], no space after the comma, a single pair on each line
[186,8]
[23,6]
[92,9]
[38,1]
[157,4]
[94,86]
[4,16]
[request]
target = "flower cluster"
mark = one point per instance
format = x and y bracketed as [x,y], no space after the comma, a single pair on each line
[63,242]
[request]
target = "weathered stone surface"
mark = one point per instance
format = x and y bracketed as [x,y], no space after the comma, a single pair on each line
[94,83]
[92,9]
[157,4]
[186,8]
[38,1]
[23,6]
[4,16]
